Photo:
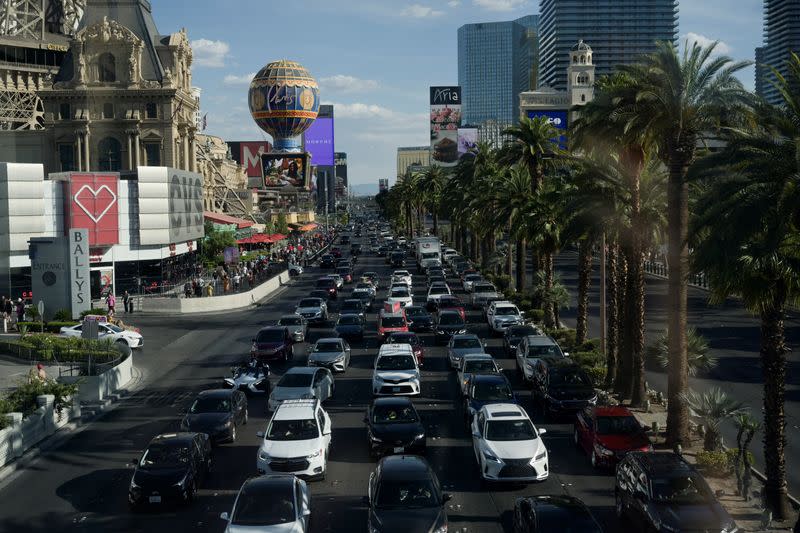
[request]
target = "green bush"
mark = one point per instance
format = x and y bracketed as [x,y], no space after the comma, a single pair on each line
[588,359]
[565,338]
[23,398]
[49,327]
[95,311]
[597,374]
[537,315]
[720,463]
[46,347]
[62,315]
[502,282]
[590,345]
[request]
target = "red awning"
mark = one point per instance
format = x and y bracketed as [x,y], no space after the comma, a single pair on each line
[262,238]
[308,227]
[222,218]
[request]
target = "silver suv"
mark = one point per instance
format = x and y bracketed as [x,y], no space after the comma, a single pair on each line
[534,348]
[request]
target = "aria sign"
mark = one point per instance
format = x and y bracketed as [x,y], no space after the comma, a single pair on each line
[94,205]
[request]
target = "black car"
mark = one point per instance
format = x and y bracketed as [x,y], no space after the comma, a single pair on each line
[419,319]
[350,326]
[513,334]
[545,514]
[394,426]
[397,259]
[404,496]
[327,284]
[365,297]
[447,324]
[564,389]
[320,293]
[382,250]
[355,249]
[170,469]
[344,239]
[218,413]
[662,492]
[352,306]
[327,261]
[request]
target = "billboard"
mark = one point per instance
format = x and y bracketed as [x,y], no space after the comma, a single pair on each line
[445,119]
[319,142]
[170,205]
[467,140]
[286,171]
[557,118]
[93,206]
[248,154]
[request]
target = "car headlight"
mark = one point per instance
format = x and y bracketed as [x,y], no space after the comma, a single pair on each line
[541,456]
[180,483]
[373,438]
[593,399]
[258,382]
[420,436]
[731,527]
[602,450]
[489,457]
[378,377]
[439,332]
[339,359]
[461,331]
[315,454]
[264,456]
[229,381]
[225,425]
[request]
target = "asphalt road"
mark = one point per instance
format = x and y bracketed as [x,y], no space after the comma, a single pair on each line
[82,486]
[733,336]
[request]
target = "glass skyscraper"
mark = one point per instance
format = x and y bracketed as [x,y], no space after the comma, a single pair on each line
[496,62]
[781,36]
[618,31]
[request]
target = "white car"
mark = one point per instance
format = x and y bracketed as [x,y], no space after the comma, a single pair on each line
[278,503]
[470,280]
[106,331]
[296,441]
[502,314]
[475,363]
[507,445]
[535,348]
[481,292]
[396,372]
[302,383]
[312,309]
[402,276]
[402,295]
[295,270]
[436,291]
[338,279]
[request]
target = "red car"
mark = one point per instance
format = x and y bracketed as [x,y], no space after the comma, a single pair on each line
[336,252]
[272,342]
[391,322]
[404,337]
[451,303]
[608,433]
[467,272]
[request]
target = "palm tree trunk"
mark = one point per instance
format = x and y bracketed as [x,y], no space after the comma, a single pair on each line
[410,221]
[473,246]
[612,331]
[521,266]
[435,223]
[584,280]
[677,293]
[773,362]
[485,245]
[549,315]
[622,376]
[509,257]
[452,234]
[635,293]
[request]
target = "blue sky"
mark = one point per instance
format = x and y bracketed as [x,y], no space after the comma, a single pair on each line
[375,59]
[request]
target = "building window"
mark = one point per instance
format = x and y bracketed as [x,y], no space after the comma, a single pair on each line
[64,111]
[107,68]
[583,98]
[152,154]
[151,110]
[66,157]
[108,110]
[109,153]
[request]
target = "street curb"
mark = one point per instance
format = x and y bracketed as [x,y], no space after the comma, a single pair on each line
[69,430]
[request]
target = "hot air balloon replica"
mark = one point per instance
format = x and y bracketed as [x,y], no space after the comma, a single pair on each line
[284,101]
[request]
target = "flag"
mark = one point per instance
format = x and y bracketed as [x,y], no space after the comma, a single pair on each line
[205,122]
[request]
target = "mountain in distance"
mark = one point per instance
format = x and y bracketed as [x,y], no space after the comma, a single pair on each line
[364,189]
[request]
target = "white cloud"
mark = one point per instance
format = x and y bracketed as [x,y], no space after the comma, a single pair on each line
[690,38]
[500,5]
[420,11]
[209,53]
[454,3]
[233,79]
[347,84]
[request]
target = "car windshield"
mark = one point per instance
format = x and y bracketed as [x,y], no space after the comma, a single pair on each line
[293,430]
[568,520]
[295,380]
[569,377]
[354,305]
[363,286]
[520,429]
[469,342]
[400,292]
[325,283]
[115,329]
[415,311]
[210,405]
[492,392]
[392,322]
[343,271]
[396,362]
[407,494]
[521,331]
[484,288]
[504,311]
[438,290]
[309,302]
[473,277]
[450,319]
[164,455]
[682,490]
[543,350]
[290,321]
[393,414]
[328,346]
[617,425]
[349,320]
[475,367]
[449,302]
[261,508]
[403,338]
[270,335]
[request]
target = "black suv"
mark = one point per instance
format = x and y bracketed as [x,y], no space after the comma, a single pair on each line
[662,492]
[327,261]
[562,389]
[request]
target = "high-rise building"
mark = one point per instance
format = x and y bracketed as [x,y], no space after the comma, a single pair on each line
[496,61]
[408,156]
[383,184]
[620,31]
[781,36]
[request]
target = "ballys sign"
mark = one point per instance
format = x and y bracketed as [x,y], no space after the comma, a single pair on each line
[185,205]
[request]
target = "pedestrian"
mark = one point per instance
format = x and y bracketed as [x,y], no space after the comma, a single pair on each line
[127,303]
[187,290]
[111,302]
[20,310]
[198,288]
[8,312]
[236,280]
[226,284]
[37,373]
[3,313]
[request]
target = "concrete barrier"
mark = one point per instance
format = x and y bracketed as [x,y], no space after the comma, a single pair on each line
[94,389]
[211,304]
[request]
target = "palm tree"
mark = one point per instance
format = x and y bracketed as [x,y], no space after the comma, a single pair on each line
[513,192]
[712,407]
[700,360]
[675,100]
[430,183]
[747,242]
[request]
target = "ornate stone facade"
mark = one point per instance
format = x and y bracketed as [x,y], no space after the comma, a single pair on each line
[224,179]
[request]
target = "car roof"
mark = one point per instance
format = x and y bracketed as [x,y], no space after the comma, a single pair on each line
[301,370]
[612,411]
[560,502]
[395,348]
[290,315]
[398,314]
[462,336]
[476,356]
[311,298]
[395,401]
[540,340]
[216,393]
[331,339]
[661,463]
[273,328]
[269,482]
[504,410]
[404,467]
[489,377]
[295,409]
[352,301]
[181,437]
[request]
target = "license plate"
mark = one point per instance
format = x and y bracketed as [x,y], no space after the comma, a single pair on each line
[155,499]
[399,450]
[395,389]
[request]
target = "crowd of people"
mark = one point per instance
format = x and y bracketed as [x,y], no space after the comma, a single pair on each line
[13,312]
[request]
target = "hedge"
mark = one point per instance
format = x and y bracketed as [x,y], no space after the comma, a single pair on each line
[720,463]
[46,347]
[23,398]
[49,327]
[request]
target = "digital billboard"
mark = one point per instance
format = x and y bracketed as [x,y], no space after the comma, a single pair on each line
[467,140]
[445,119]
[556,117]
[248,154]
[286,171]
[319,142]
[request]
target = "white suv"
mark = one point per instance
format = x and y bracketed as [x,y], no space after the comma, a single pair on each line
[502,314]
[402,276]
[534,348]
[507,445]
[396,371]
[296,441]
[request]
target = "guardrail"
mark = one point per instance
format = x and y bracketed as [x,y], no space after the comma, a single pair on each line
[657,268]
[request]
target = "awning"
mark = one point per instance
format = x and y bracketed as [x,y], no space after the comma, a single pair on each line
[222,218]
[308,227]
[262,238]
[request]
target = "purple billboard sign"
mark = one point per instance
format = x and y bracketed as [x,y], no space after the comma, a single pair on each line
[319,142]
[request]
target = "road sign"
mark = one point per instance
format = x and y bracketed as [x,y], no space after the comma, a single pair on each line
[40,307]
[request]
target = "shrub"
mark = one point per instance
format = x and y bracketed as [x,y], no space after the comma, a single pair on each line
[94,311]
[588,359]
[565,338]
[62,315]
[502,282]
[49,327]
[597,374]
[537,315]
[23,398]
[714,464]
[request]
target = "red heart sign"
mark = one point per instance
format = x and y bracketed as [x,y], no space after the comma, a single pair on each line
[95,202]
